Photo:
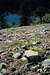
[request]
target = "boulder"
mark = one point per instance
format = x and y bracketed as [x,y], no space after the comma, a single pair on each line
[30,53]
[46,63]
[31,56]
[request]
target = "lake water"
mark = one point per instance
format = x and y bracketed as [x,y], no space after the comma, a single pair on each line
[14,18]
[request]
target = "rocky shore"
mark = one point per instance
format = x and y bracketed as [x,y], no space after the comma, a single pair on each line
[24,50]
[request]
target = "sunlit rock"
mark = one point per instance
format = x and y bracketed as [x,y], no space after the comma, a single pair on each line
[23,59]
[30,53]
[16,55]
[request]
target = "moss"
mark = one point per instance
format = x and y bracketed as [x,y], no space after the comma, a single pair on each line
[30,42]
[39,50]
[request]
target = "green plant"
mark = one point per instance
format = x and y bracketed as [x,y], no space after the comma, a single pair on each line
[39,50]
[3,23]
[46,18]
[25,20]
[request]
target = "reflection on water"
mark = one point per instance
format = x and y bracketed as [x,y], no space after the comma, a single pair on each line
[12,18]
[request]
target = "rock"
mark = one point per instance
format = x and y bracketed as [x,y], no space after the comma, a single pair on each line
[10,54]
[48,48]
[13,69]
[2,65]
[48,52]
[39,70]
[9,41]
[0,73]
[24,47]
[0,33]
[14,38]
[23,37]
[39,42]
[34,43]
[1,39]
[23,59]
[3,71]
[4,35]
[31,56]
[30,53]
[16,55]
[33,68]
[39,74]
[46,63]
[22,52]
[16,72]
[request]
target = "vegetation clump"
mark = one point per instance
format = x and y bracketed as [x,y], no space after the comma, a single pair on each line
[39,50]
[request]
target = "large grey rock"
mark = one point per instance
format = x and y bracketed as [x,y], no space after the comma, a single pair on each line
[46,63]
[31,56]
[30,53]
